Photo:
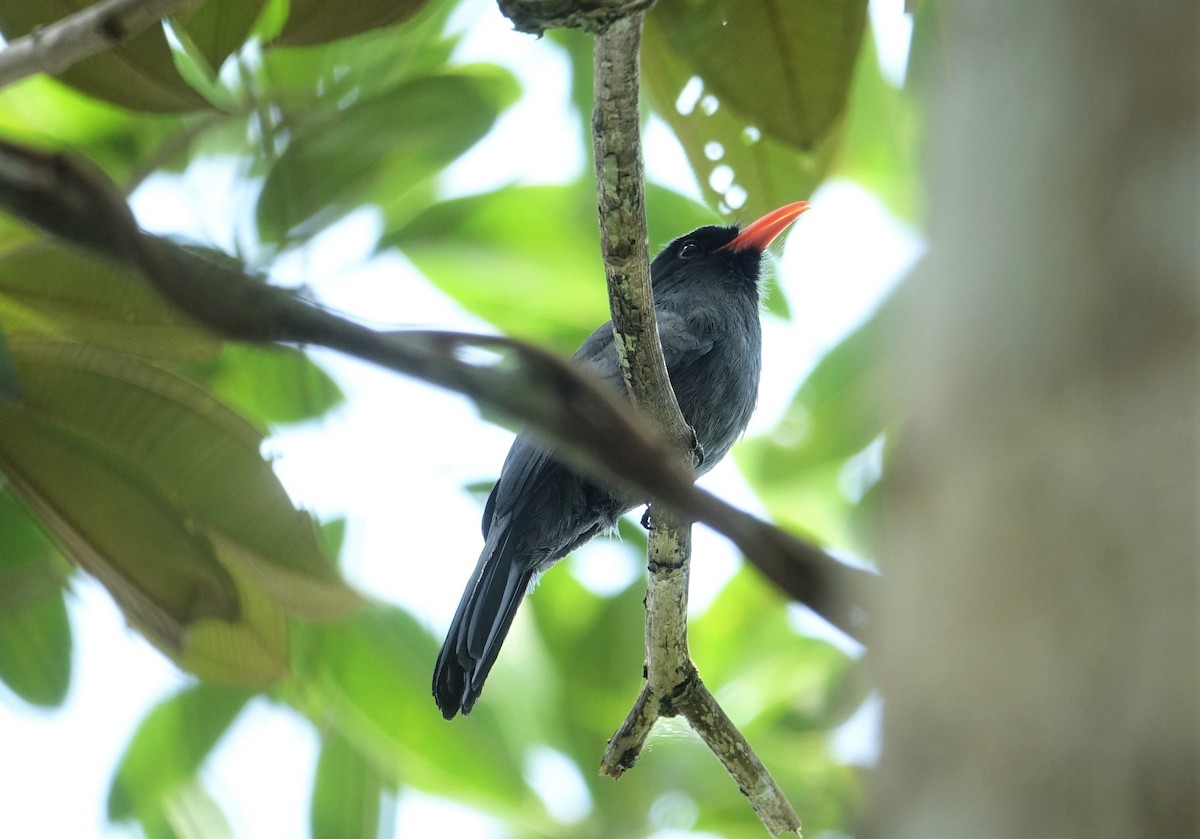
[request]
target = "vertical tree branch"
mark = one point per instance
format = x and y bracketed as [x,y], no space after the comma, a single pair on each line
[623,239]
[673,686]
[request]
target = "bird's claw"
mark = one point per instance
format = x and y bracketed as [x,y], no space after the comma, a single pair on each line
[697,451]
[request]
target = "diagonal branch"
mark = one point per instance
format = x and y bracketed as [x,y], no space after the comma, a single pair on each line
[69,198]
[54,48]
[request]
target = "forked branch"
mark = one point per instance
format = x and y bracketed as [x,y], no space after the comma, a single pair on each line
[673,685]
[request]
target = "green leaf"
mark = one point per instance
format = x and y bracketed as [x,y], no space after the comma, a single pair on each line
[369,677]
[35,635]
[347,791]
[35,643]
[273,386]
[882,134]
[219,27]
[160,492]
[169,747]
[794,60]
[325,78]
[318,21]
[839,410]
[333,536]
[540,240]
[10,387]
[578,46]
[774,115]
[252,651]
[43,113]
[379,150]
[791,681]
[194,457]
[50,289]
[140,74]
[109,521]
[596,647]
[190,812]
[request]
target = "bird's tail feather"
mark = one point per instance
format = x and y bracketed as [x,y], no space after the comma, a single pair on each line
[480,625]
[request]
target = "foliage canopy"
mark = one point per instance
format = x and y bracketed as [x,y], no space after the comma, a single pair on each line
[130,437]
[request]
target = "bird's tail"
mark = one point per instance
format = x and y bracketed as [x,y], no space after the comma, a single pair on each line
[482,621]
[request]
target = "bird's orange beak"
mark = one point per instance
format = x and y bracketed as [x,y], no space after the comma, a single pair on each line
[762,232]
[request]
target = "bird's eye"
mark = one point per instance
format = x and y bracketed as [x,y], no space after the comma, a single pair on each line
[688,250]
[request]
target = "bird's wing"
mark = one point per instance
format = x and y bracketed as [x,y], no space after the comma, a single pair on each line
[525,465]
[683,341]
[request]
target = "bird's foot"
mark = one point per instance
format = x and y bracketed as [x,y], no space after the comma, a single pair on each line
[647,519]
[697,452]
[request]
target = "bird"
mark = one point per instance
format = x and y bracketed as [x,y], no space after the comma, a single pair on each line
[706,304]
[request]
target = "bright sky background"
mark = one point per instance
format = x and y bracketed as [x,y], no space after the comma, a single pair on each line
[386,460]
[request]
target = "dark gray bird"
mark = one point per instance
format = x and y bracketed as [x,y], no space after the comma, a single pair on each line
[706,304]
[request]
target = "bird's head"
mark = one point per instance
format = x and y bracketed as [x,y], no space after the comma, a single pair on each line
[725,252]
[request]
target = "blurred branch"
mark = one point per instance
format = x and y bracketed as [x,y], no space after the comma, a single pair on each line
[54,48]
[673,685]
[72,199]
[1037,645]
[594,429]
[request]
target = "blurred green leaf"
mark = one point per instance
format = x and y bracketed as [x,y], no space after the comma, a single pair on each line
[799,682]
[370,677]
[272,386]
[192,454]
[325,78]
[160,492]
[526,257]
[317,21]
[866,518]
[50,289]
[774,78]
[784,64]
[578,46]
[881,137]
[827,795]
[333,536]
[540,240]
[839,410]
[927,49]
[169,747]
[219,27]
[597,650]
[784,691]
[379,149]
[189,812]
[35,635]
[110,522]
[140,74]
[346,793]
[252,651]
[35,641]
[10,387]
[42,112]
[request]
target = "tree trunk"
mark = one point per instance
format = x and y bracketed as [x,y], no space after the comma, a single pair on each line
[1037,647]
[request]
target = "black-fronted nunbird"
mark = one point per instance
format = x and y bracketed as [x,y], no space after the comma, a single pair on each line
[706,302]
